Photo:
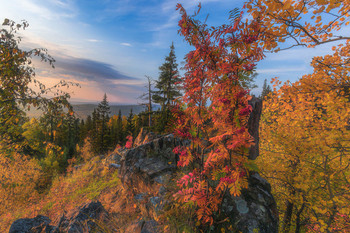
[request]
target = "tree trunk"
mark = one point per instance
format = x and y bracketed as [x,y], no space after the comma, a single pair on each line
[298,220]
[287,217]
[149,102]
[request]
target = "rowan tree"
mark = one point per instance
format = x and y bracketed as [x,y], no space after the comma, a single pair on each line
[214,111]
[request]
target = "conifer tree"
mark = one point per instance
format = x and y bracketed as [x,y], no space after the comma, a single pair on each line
[166,83]
[120,131]
[104,111]
[89,124]
[129,125]
[101,132]
[265,90]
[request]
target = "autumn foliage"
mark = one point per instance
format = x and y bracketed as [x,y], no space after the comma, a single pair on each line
[305,144]
[305,125]
[305,23]
[214,111]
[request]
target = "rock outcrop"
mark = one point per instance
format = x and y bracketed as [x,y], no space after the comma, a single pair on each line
[148,163]
[80,220]
[38,224]
[147,169]
[255,210]
[144,137]
[83,219]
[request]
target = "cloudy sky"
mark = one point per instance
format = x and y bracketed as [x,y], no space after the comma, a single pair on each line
[110,45]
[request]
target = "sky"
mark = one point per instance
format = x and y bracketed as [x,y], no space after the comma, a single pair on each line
[108,46]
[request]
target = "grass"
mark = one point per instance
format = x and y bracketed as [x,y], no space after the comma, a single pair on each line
[92,181]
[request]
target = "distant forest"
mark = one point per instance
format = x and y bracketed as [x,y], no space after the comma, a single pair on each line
[83,110]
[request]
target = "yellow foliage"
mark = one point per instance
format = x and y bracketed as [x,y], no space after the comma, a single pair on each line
[305,141]
[296,20]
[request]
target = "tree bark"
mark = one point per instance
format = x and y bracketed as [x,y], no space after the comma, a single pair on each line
[298,222]
[287,217]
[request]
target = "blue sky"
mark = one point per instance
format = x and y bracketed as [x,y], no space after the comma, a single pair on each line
[110,45]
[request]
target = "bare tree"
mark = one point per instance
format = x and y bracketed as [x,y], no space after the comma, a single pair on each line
[147,97]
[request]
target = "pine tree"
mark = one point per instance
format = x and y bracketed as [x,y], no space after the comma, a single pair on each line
[166,83]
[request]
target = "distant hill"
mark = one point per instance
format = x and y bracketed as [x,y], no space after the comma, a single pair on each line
[83,110]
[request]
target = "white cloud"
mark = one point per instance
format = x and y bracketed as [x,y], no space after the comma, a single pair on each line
[54,11]
[93,40]
[126,44]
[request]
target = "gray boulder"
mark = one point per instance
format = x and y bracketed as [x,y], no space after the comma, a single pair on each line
[80,220]
[83,219]
[25,225]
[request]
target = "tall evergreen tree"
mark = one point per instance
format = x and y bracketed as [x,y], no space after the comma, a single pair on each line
[266,89]
[89,125]
[166,83]
[101,132]
[130,125]
[120,131]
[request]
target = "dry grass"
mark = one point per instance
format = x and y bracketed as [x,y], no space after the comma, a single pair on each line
[91,181]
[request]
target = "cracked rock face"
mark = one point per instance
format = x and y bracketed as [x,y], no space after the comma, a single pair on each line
[148,163]
[255,210]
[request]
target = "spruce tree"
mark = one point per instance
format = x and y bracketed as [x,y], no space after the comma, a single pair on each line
[120,131]
[167,82]
[101,132]
[130,126]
